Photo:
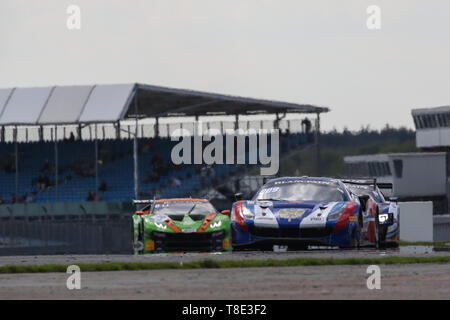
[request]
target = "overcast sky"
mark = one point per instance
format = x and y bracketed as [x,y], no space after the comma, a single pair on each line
[318,52]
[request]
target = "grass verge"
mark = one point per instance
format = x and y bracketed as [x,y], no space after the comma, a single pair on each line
[208,264]
[425,243]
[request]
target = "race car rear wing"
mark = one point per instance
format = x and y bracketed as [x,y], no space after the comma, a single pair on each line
[143,201]
[146,205]
[369,182]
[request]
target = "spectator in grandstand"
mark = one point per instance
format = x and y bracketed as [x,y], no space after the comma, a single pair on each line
[306,125]
[164,169]
[42,181]
[84,169]
[8,164]
[174,182]
[13,199]
[148,147]
[156,159]
[91,196]
[157,194]
[97,197]
[46,182]
[147,177]
[46,167]
[30,197]
[211,173]
[102,186]
[154,177]
[203,175]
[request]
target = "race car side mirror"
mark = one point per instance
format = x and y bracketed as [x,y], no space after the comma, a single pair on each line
[226,212]
[140,213]
[363,199]
[238,196]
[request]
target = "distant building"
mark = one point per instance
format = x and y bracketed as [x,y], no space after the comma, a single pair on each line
[419,175]
[432,128]
[412,174]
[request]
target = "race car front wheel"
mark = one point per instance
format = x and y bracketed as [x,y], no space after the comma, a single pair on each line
[357,234]
[380,233]
[138,243]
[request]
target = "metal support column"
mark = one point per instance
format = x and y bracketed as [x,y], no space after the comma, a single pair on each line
[16,147]
[319,167]
[157,127]
[135,150]
[96,162]
[56,163]
[276,123]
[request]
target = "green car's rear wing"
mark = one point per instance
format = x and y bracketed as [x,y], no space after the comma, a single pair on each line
[147,203]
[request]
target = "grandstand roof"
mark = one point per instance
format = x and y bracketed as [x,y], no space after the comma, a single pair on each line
[443,109]
[58,105]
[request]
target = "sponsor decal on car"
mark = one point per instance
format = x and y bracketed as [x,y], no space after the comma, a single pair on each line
[150,245]
[160,226]
[291,213]
[189,230]
[216,224]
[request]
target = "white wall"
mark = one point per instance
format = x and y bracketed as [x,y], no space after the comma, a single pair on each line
[423,175]
[416,221]
[433,137]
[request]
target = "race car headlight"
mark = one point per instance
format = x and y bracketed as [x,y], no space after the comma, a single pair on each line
[247,214]
[335,215]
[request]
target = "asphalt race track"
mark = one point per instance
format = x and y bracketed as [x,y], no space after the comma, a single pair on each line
[414,281]
[422,251]
[399,281]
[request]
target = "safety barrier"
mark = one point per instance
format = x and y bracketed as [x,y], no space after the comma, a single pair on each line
[66,228]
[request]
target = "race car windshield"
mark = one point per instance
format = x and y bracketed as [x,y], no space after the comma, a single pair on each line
[302,192]
[183,207]
[366,191]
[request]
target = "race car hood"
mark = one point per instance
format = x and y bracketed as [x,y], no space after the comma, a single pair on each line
[292,213]
[164,223]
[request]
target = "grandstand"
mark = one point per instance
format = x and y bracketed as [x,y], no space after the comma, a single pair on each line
[110,142]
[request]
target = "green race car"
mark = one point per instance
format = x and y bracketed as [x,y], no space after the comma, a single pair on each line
[179,225]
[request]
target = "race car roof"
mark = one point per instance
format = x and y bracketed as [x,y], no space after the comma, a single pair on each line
[57,105]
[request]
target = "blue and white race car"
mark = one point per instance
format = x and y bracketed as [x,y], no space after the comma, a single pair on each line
[297,212]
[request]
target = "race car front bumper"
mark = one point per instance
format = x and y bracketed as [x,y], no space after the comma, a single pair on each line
[199,242]
[264,237]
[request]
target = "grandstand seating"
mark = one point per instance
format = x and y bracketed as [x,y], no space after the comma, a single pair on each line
[115,168]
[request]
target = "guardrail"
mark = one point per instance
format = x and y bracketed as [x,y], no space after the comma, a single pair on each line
[66,228]
[441,227]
